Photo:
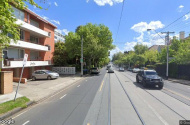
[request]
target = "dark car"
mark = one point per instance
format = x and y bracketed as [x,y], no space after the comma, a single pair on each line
[94,70]
[149,77]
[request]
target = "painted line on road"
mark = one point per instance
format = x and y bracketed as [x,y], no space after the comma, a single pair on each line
[154,111]
[177,94]
[78,86]
[20,114]
[63,96]
[26,122]
[101,86]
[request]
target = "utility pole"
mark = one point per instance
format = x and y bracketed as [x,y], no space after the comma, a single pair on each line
[167,57]
[81,60]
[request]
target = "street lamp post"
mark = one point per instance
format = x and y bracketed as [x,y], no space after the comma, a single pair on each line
[167,41]
[81,60]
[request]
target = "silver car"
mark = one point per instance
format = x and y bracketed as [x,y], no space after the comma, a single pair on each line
[44,74]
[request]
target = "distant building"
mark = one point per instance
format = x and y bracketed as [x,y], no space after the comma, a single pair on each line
[157,47]
[58,36]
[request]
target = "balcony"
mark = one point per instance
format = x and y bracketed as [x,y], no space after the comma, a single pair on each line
[32,29]
[28,45]
[16,64]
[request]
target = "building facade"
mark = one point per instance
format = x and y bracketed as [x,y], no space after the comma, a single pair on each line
[36,40]
[59,36]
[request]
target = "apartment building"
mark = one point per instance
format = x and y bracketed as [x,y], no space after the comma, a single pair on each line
[59,36]
[36,40]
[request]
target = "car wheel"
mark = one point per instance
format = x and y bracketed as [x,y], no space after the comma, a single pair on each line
[49,77]
[33,78]
[160,87]
[144,83]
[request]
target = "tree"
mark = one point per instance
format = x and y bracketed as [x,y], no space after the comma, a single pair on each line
[7,20]
[183,54]
[151,56]
[60,56]
[97,41]
[140,49]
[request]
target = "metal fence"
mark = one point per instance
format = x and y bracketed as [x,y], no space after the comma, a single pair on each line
[64,70]
[179,71]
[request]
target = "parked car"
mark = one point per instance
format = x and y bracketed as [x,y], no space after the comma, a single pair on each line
[130,69]
[44,74]
[149,77]
[110,70]
[95,70]
[121,69]
[135,70]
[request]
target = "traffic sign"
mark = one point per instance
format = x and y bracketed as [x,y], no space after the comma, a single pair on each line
[81,60]
[25,59]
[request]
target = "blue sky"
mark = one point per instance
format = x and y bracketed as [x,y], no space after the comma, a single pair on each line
[138,15]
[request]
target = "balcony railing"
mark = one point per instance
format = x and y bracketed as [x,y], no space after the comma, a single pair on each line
[16,63]
[28,45]
[34,30]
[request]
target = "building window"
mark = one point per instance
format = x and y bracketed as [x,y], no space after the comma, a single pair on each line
[34,23]
[55,37]
[21,34]
[21,53]
[18,13]
[49,34]
[34,39]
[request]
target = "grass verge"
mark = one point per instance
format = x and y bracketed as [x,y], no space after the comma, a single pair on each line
[10,105]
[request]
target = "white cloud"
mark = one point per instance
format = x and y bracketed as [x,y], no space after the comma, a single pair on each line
[104,2]
[180,8]
[143,26]
[187,16]
[116,50]
[55,4]
[63,31]
[87,1]
[55,21]
[44,17]
[153,38]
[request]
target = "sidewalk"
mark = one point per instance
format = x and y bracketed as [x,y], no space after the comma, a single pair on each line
[39,89]
[185,82]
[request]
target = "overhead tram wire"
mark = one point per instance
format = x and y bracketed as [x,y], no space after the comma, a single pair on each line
[120,20]
[174,21]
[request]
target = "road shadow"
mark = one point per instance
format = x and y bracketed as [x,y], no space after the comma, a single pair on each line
[139,85]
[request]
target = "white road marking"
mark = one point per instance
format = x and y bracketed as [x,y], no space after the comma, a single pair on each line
[19,114]
[78,86]
[86,80]
[63,96]
[154,111]
[26,122]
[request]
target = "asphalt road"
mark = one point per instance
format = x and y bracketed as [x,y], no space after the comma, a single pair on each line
[110,99]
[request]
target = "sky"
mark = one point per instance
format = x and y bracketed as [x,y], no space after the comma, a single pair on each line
[137,17]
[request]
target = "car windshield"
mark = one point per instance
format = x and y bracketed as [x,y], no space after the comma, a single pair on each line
[94,68]
[150,73]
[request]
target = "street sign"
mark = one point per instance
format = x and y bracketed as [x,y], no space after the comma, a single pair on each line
[81,60]
[25,59]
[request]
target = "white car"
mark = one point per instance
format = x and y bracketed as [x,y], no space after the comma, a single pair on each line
[121,69]
[135,70]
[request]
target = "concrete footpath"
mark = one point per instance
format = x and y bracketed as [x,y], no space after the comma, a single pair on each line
[40,89]
[37,90]
[185,82]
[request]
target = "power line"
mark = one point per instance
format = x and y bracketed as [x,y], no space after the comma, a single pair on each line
[174,21]
[120,20]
